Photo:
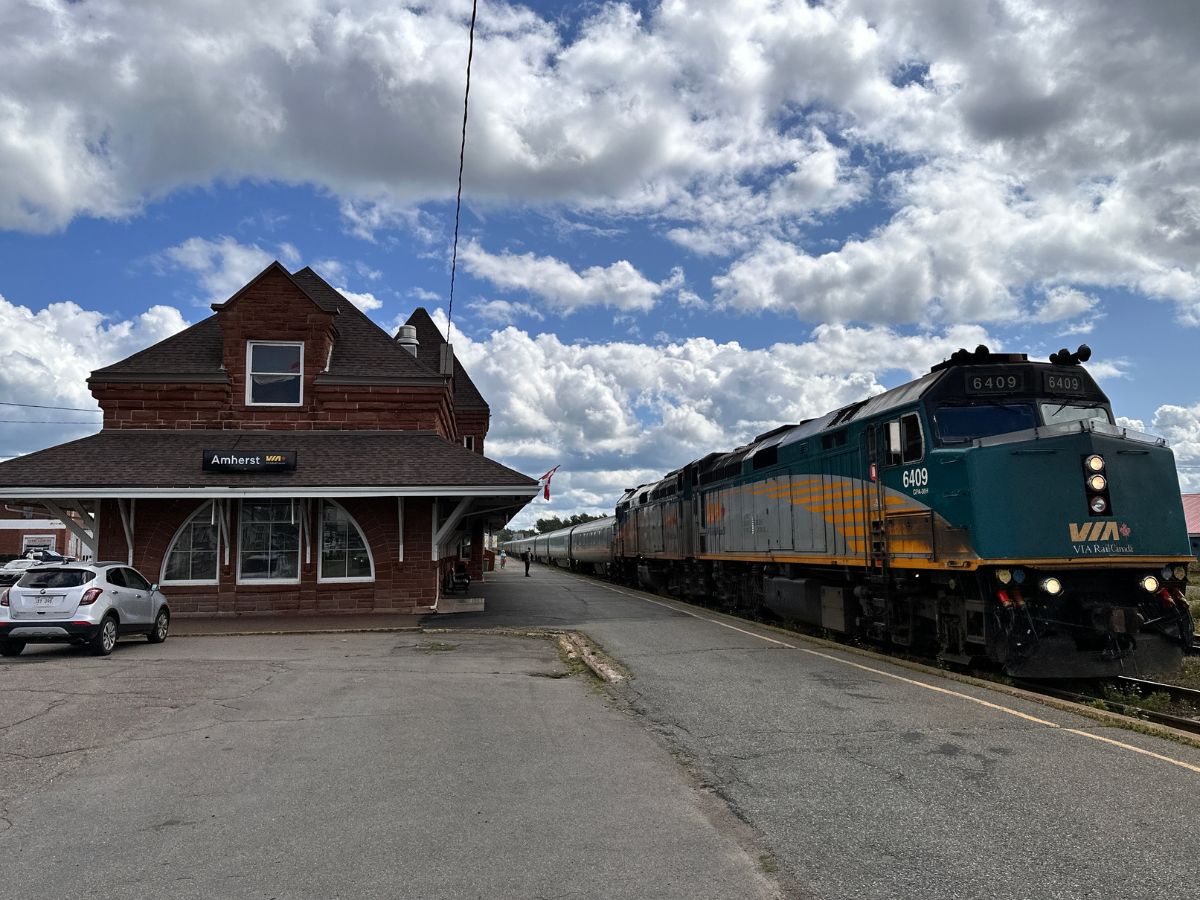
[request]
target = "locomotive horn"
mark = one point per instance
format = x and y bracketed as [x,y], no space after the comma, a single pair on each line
[1084,353]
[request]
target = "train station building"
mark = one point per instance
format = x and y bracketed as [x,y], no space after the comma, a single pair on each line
[284,454]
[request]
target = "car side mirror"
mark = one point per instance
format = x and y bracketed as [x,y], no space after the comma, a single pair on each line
[154,587]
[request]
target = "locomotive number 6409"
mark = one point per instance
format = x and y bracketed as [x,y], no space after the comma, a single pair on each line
[915,477]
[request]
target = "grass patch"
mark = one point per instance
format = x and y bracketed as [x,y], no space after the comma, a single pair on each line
[768,863]
[1188,674]
[1158,701]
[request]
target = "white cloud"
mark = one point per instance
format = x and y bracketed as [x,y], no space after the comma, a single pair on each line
[48,356]
[1180,425]
[560,287]
[503,312]
[1034,145]
[364,300]
[224,266]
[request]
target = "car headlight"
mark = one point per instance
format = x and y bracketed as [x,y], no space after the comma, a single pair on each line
[1149,584]
[1004,576]
[1180,573]
[1052,586]
[1094,463]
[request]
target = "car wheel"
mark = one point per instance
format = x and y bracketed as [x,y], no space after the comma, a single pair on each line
[105,638]
[11,647]
[162,622]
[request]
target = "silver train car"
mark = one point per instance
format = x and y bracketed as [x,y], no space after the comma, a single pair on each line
[582,548]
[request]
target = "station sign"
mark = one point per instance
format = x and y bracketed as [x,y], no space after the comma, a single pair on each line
[249,460]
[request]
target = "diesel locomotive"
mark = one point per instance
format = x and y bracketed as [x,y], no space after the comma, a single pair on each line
[989,510]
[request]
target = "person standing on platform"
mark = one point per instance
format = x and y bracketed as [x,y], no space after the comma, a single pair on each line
[527,558]
[503,558]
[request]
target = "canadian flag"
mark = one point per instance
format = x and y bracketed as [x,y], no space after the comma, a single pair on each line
[546,480]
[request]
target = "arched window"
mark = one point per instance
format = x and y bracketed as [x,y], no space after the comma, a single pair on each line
[345,555]
[192,555]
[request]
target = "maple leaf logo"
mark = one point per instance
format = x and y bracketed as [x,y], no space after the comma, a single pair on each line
[1126,531]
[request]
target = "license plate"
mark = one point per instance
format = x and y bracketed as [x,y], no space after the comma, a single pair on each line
[44,601]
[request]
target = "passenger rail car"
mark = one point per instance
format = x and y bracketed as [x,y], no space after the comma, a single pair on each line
[989,509]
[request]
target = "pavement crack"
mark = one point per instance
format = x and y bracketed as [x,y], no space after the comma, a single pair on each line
[54,704]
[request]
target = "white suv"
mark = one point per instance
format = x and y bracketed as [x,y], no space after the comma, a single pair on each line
[81,603]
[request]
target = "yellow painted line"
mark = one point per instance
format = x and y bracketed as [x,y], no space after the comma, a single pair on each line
[996,707]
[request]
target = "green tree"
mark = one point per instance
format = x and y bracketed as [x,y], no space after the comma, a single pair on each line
[554,523]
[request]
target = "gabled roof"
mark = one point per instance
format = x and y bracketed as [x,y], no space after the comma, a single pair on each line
[193,354]
[430,342]
[362,351]
[330,305]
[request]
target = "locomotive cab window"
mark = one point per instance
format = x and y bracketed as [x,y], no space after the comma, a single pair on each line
[904,440]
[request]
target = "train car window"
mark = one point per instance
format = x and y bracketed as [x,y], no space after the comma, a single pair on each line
[766,457]
[963,424]
[1054,413]
[910,437]
[836,439]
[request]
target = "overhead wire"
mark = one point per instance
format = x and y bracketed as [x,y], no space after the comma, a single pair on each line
[40,406]
[462,152]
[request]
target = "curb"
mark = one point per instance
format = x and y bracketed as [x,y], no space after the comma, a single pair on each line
[572,641]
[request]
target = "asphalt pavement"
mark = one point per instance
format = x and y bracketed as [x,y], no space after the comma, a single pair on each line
[866,779]
[369,765]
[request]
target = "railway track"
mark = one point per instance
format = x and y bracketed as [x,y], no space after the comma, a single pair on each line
[1182,699]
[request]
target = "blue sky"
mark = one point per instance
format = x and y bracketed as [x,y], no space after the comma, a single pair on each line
[683,223]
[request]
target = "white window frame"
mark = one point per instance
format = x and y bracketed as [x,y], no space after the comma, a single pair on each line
[297,512]
[162,574]
[468,441]
[250,373]
[358,579]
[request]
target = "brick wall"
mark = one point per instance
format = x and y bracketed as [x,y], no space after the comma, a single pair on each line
[398,586]
[473,422]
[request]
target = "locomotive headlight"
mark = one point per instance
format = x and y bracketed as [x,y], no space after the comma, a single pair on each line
[1165,573]
[1098,505]
[1094,463]
[1052,586]
[1004,576]
[1019,576]
[1149,584]
[1180,573]
[1097,482]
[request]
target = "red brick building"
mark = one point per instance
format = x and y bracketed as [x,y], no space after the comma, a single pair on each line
[284,454]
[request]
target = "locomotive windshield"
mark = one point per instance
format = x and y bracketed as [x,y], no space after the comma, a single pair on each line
[961,424]
[1055,413]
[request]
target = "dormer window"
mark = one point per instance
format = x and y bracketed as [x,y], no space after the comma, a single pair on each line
[274,373]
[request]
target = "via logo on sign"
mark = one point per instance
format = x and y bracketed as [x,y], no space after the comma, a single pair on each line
[1098,531]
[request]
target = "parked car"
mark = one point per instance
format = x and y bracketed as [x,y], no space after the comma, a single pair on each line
[11,571]
[47,556]
[82,603]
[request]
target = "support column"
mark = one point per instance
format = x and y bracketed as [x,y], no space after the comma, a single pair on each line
[475,563]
